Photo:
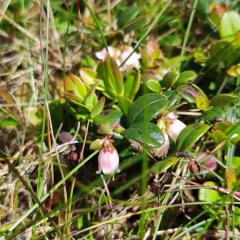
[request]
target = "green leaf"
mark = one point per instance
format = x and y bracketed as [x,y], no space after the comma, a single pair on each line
[235,129]
[235,163]
[202,103]
[230,26]
[221,52]
[193,94]
[146,107]
[75,88]
[185,77]
[169,79]
[132,84]
[124,104]
[146,133]
[190,135]
[8,123]
[91,99]
[127,15]
[137,23]
[173,97]
[153,85]
[223,100]
[98,108]
[208,195]
[109,72]
[88,75]
[111,117]
[214,113]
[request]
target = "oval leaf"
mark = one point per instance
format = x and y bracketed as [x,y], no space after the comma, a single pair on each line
[146,107]
[230,26]
[111,117]
[208,195]
[223,100]
[190,135]
[186,77]
[153,85]
[146,133]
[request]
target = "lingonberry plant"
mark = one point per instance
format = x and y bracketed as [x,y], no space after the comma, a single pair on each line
[119,119]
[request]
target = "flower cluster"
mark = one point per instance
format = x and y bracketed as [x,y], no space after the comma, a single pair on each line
[120,56]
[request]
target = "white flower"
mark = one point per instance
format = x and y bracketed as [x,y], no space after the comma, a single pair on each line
[163,150]
[119,55]
[174,128]
[108,160]
[113,52]
[132,62]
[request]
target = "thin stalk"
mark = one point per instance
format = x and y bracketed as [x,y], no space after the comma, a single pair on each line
[52,190]
[97,23]
[144,36]
[188,31]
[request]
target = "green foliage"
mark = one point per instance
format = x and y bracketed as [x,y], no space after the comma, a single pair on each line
[145,133]
[230,26]
[62,103]
[208,195]
[146,107]
[190,135]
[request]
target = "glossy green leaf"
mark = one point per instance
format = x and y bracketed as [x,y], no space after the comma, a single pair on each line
[153,85]
[98,108]
[132,84]
[111,116]
[109,72]
[230,26]
[235,129]
[124,104]
[221,52]
[185,77]
[188,92]
[194,94]
[223,100]
[173,97]
[146,107]
[208,195]
[146,133]
[169,79]
[214,113]
[190,135]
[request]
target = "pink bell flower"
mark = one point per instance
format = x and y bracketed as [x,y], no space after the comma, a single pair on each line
[108,160]
[163,150]
[174,128]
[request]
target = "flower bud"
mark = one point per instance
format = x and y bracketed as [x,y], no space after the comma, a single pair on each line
[208,160]
[108,160]
[211,164]
[163,150]
[174,128]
